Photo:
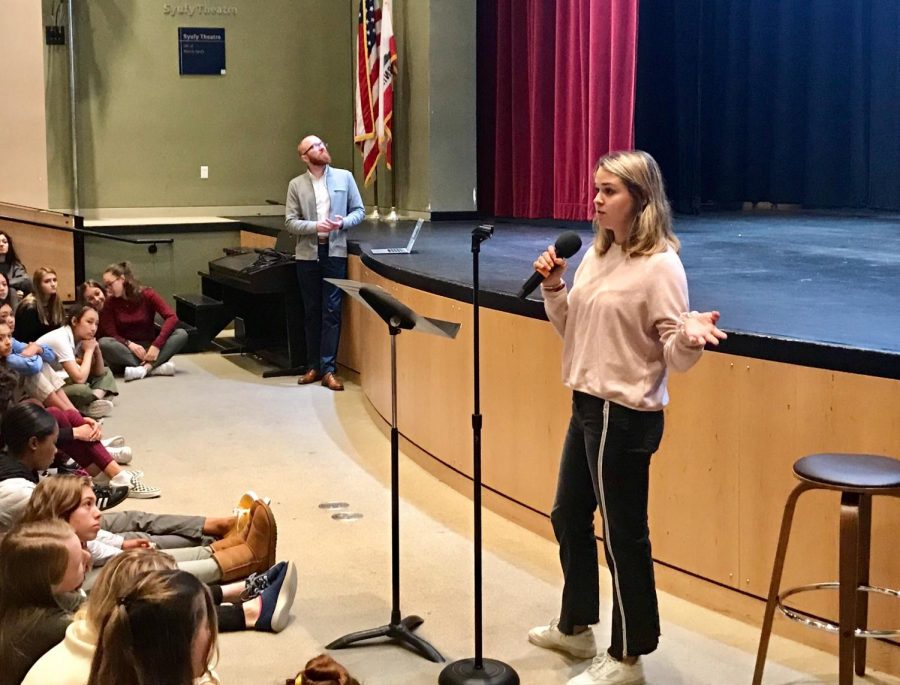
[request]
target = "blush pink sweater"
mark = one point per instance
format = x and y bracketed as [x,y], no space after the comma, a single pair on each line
[622,326]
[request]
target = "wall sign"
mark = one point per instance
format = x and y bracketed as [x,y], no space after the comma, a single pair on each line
[201,51]
[199,10]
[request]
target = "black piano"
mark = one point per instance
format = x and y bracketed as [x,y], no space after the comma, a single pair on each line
[263,299]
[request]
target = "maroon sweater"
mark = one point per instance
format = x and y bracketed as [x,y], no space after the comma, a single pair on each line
[126,320]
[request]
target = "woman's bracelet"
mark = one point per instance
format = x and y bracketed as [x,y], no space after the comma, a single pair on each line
[554,288]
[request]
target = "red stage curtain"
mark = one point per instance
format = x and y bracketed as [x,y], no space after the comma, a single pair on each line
[565,74]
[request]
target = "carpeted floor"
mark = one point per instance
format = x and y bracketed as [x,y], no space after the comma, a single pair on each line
[218,428]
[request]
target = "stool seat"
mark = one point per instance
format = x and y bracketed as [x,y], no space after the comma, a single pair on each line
[859,478]
[849,471]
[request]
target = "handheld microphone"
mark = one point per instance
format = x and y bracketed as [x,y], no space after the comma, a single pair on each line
[566,245]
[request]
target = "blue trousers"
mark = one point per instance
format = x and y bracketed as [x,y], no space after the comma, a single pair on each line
[322,308]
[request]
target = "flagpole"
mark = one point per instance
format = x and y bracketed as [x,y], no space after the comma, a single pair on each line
[374,215]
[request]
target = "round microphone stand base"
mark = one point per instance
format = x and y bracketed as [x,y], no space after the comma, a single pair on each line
[465,672]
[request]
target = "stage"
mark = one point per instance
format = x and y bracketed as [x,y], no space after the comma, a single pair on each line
[811,365]
[815,289]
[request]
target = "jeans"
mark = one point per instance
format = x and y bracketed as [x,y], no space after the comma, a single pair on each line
[606,461]
[117,356]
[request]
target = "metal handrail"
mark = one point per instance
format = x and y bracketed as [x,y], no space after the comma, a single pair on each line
[150,242]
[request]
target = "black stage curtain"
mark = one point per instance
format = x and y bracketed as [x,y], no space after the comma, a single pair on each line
[795,101]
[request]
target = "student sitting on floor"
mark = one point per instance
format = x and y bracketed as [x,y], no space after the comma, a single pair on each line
[69,662]
[90,383]
[31,434]
[39,563]
[42,310]
[162,630]
[71,499]
[12,270]
[37,380]
[127,333]
[8,295]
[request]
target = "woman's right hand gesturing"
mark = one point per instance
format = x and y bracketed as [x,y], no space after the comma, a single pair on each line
[550,267]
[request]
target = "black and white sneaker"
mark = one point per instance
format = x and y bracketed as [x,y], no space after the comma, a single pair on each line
[109,496]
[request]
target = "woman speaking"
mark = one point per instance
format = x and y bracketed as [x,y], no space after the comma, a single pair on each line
[624,324]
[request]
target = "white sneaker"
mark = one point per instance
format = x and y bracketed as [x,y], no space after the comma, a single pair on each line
[134,373]
[607,671]
[122,455]
[114,441]
[581,645]
[123,477]
[98,409]
[167,369]
[140,490]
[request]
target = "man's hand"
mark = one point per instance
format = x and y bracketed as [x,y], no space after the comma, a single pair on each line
[326,226]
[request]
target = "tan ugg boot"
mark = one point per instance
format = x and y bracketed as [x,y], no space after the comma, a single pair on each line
[256,553]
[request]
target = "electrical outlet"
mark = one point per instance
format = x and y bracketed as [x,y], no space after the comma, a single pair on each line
[204,172]
[55,35]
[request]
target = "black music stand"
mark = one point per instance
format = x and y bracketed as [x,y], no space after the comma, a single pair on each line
[477,670]
[398,317]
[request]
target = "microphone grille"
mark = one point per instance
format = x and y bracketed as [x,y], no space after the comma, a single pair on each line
[568,244]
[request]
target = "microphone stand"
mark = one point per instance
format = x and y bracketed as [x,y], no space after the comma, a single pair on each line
[477,671]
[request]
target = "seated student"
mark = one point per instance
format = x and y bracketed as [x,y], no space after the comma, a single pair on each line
[71,499]
[11,268]
[31,434]
[39,562]
[325,671]
[162,630]
[37,380]
[90,383]
[127,331]
[69,662]
[42,310]
[7,295]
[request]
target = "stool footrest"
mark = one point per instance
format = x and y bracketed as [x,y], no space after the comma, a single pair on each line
[830,626]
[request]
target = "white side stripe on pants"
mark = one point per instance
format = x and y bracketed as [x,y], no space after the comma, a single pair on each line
[606,537]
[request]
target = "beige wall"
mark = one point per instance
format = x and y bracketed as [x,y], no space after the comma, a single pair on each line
[144,131]
[23,149]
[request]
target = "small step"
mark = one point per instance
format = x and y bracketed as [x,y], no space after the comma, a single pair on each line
[197,301]
[207,314]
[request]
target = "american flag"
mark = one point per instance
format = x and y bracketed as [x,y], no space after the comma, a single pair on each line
[367,73]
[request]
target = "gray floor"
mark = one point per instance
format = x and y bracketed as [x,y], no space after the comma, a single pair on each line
[218,428]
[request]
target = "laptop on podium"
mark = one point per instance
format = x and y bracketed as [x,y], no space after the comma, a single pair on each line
[409,245]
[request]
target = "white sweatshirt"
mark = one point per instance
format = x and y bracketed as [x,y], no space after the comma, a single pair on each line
[622,326]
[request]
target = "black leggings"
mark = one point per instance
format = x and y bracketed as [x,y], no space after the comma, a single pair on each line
[230,616]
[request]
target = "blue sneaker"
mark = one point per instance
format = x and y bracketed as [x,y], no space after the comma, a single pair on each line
[275,610]
[257,582]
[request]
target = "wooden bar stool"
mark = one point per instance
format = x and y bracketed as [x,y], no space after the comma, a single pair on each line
[858,477]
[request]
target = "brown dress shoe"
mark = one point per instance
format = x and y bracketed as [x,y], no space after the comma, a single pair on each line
[332,382]
[310,376]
